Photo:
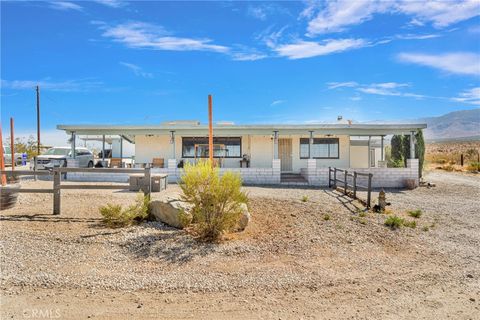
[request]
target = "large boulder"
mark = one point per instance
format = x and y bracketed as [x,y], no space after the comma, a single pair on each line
[244,218]
[173,212]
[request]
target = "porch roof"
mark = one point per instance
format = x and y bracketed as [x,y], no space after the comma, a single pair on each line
[354,129]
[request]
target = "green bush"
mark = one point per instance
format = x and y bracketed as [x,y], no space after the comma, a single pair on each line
[394,222]
[115,215]
[216,201]
[415,213]
[474,167]
[304,199]
[410,224]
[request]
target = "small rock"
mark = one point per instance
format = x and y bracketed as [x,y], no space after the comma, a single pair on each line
[472,299]
[379,290]
[244,218]
[469,276]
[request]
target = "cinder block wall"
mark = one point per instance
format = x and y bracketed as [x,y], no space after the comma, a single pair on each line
[382,177]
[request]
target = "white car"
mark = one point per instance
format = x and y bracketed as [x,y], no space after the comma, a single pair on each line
[57,157]
[7,156]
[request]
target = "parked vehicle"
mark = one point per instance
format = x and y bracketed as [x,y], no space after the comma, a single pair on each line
[7,156]
[58,156]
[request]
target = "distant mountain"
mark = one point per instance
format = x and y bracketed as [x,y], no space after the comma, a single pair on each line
[456,125]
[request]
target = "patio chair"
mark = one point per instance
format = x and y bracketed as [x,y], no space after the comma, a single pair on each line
[158,163]
[115,163]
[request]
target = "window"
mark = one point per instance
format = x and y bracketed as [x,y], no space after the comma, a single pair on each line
[223,147]
[322,148]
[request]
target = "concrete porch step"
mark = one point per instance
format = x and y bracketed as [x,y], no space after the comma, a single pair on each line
[292,178]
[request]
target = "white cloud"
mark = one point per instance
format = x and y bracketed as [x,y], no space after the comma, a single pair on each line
[112,3]
[471,96]
[137,70]
[336,16]
[458,62]
[257,12]
[308,49]
[348,84]
[383,89]
[243,56]
[440,13]
[277,102]
[66,86]
[65,6]
[150,36]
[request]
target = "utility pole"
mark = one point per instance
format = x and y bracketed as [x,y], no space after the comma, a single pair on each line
[12,144]
[38,120]
[210,130]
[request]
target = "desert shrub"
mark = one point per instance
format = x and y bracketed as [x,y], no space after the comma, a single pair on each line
[216,201]
[448,168]
[415,213]
[474,167]
[425,228]
[441,161]
[362,214]
[304,199]
[115,215]
[410,224]
[326,217]
[397,163]
[394,222]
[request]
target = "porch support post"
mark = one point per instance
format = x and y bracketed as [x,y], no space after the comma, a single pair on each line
[172,142]
[121,152]
[412,145]
[73,147]
[310,143]
[275,144]
[382,154]
[369,156]
[103,148]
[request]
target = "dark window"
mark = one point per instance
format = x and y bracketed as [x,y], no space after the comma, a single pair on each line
[223,147]
[322,148]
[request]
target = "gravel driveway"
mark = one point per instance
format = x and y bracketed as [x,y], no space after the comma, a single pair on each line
[316,259]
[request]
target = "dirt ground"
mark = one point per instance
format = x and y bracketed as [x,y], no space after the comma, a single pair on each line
[319,259]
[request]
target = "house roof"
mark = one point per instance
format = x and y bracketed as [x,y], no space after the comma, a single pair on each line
[355,129]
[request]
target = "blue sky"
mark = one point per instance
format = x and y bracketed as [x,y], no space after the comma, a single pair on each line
[116,62]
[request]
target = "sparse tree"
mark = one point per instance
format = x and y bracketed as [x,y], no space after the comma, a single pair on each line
[396,151]
[420,150]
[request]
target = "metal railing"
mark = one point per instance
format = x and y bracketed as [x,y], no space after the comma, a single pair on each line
[57,181]
[354,186]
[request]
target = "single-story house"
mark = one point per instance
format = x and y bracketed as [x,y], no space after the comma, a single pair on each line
[263,154]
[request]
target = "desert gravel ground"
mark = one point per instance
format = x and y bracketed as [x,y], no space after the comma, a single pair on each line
[319,259]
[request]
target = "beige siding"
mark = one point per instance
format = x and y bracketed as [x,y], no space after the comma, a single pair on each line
[261,154]
[260,149]
[358,156]
[149,147]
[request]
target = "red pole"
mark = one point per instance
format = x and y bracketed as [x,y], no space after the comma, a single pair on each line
[210,130]
[12,145]
[2,159]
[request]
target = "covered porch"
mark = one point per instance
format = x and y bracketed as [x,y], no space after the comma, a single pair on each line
[262,153]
